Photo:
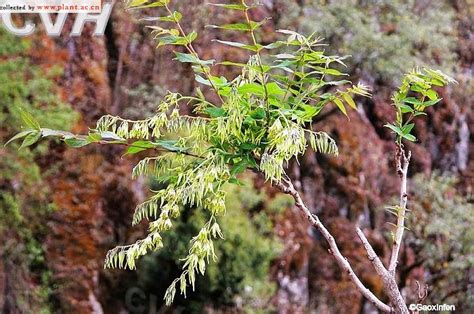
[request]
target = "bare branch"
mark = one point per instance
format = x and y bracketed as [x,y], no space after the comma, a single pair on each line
[288,188]
[373,257]
[388,279]
[403,160]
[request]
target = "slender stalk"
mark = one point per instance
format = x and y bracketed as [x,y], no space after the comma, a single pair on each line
[259,61]
[192,51]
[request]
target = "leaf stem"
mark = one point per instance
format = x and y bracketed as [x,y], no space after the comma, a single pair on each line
[259,61]
[189,46]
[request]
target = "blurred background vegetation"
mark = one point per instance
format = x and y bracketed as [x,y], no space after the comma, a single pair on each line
[24,198]
[60,211]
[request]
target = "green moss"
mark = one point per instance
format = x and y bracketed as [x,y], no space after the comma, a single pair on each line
[280,202]
[29,87]
[10,45]
[444,218]
[386,38]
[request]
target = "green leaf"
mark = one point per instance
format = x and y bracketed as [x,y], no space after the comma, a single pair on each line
[168,18]
[28,120]
[31,139]
[185,57]
[412,100]
[285,56]
[235,181]
[247,146]
[18,136]
[432,95]
[333,72]
[138,4]
[243,27]
[239,7]
[251,162]
[274,89]
[217,81]
[308,112]
[419,114]
[432,102]
[239,167]
[215,112]
[107,135]
[229,63]
[349,100]
[139,146]
[189,58]
[170,145]
[328,96]
[407,128]
[233,27]
[76,142]
[340,105]
[394,128]
[177,16]
[94,137]
[405,108]
[172,40]
[48,132]
[253,48]
[440,76]
[417,88]
[135,3]
[191,37]
[202,80]
[274,45]
[249,121]
[409,137]
[251,88]
[437,82]
[258,113]
[177,40]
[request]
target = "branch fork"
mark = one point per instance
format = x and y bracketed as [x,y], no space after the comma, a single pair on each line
[388,276]
[286,186]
